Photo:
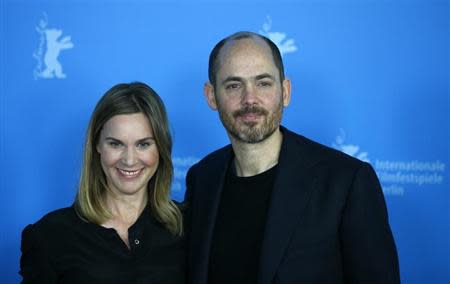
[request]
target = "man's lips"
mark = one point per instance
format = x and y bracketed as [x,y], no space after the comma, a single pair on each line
[250,113]
[250,116]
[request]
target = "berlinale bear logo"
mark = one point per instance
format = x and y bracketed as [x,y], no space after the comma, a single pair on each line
[350,149]
[284,45]
[50,39]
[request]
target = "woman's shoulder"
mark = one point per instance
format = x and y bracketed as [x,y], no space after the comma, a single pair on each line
[57,220]
[49,231]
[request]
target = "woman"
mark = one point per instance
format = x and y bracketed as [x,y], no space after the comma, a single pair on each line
[123,227]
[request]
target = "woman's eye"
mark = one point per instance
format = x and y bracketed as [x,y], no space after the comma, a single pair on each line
[143,145]
[114,144]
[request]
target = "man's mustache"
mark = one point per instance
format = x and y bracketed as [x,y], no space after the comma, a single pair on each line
[250,110]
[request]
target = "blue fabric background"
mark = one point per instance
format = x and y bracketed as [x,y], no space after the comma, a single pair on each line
[370,78]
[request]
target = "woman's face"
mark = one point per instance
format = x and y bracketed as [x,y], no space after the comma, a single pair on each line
[128,153]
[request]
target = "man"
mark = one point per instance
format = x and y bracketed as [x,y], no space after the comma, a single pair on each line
[275,207]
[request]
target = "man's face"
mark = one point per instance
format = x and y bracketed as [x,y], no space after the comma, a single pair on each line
[248,93]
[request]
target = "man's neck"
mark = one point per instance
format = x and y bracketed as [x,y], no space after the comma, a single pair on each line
[252,159]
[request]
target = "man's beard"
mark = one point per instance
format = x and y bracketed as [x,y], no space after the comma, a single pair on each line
[252,132]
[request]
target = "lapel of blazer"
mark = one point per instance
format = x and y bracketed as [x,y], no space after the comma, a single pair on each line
[208,199]
[291,192]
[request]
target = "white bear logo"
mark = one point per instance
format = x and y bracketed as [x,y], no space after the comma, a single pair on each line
[54,45]
[349,149]
[284,45]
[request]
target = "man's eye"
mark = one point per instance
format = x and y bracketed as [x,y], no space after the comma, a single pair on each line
[265,84]
[233,86]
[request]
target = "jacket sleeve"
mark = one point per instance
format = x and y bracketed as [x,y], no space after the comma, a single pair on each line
[368,247]
[35,265]
[188,204]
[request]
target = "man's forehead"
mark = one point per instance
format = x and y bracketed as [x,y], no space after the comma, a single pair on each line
[234,46]
[246,51]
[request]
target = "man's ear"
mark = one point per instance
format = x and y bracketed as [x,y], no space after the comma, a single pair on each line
[208,90]
[286,92]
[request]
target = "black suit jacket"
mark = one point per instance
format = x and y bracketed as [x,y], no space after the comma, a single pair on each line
[327,219]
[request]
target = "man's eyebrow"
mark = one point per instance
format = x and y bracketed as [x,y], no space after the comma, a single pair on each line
[239,79]
[264,75]
[231,78]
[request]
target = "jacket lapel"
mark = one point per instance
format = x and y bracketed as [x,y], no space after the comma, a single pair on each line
[290,196]
[207,204]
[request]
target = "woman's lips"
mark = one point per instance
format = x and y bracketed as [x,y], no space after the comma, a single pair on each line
[129,173]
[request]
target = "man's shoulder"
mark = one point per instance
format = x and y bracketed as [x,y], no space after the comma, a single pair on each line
[217,158]
[316,152]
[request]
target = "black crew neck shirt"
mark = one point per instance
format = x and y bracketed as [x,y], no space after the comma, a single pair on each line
[239,228]
[63,248]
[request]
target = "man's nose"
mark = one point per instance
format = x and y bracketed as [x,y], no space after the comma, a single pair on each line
[249,95]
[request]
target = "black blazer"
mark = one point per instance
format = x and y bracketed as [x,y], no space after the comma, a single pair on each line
[327,219]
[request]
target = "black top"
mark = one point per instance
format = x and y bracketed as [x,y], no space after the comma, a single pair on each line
[62,248]
[239,228]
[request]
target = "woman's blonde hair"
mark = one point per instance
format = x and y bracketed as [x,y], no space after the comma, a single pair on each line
[128,99]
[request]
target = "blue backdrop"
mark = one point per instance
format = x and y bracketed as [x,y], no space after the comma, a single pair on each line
[370,78]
